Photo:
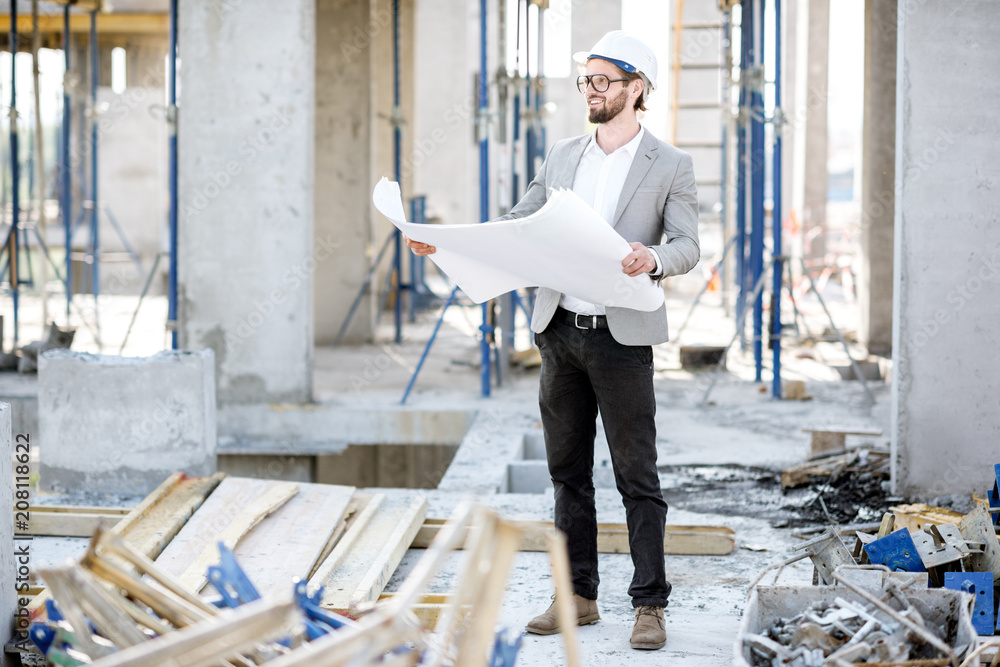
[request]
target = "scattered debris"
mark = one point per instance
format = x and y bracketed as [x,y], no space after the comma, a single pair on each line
[899,623]
[55,339]
[795,390]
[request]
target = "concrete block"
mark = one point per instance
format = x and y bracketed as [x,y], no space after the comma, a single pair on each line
[8,593]
[122,425]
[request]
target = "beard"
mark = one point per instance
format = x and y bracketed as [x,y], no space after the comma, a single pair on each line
[610,108]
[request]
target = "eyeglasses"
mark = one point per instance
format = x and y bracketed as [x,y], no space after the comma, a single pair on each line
[600,82]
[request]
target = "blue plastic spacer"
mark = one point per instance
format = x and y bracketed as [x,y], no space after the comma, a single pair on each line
[979,584]
[896,551]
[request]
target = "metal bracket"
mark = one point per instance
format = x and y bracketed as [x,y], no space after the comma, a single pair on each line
[506,647]
[231,581]
[896,551]
[979,585]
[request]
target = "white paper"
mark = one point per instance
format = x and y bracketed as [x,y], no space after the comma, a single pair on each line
[565,245]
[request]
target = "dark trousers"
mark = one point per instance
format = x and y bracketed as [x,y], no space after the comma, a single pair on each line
[585,371]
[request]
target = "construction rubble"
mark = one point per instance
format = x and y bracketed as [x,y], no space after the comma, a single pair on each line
[918,591]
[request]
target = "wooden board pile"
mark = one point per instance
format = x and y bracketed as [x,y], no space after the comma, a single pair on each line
[294,562]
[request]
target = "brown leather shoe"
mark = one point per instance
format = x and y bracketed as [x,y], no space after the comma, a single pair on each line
[649,632]
[547,624]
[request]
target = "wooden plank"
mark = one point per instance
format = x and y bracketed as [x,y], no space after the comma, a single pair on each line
[151,524]
[918,516]
[357,527]
[613,538]
[287,543]
[363,568]
[151,23]
[235,507]
[66,521]
[358,502]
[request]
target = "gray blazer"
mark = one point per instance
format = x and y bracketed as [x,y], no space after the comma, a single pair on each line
[659,198]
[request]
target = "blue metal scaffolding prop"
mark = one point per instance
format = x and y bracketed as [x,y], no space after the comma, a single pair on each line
[751,175]
[172,184]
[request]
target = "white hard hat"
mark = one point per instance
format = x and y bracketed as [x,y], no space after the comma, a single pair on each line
[626,52]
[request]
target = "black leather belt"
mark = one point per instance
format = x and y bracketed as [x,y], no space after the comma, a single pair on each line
[582,321]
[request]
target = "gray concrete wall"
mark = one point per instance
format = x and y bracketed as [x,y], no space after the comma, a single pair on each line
[8,592]
[878,173]
[946,410]
[247,260]
[123,425]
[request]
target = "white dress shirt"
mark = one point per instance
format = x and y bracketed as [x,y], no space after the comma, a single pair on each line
[598,181]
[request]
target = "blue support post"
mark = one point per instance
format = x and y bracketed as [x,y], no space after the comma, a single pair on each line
[95,241]
[776,215]
[66,173]
[741,173]
[724,167]
[172,174]
[757,164]
[484,186]
[15,174]
[397,143]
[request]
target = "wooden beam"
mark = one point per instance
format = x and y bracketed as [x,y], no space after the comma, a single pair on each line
[70,521]
[362,569]
[136,24]
[612,538]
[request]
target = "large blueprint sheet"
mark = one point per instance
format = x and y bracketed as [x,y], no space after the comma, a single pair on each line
[565,245]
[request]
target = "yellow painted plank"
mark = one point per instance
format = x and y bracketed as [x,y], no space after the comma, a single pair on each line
[145,24]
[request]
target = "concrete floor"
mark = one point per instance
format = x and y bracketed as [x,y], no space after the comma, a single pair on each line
[741,425]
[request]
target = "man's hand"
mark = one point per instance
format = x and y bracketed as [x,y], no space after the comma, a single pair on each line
[639,261]
[419,248]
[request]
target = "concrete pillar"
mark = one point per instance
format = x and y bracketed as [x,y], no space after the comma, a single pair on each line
[123,425]
[946,300]
[592,19]
[8,592]
[443,149]
[246,255]
[878,173]
[354,148]
[810,60]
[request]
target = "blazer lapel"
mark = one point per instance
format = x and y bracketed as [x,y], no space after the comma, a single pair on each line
[564,179]
[644,158]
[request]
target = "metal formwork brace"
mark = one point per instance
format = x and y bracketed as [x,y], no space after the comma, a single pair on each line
[980,586]
[896,551]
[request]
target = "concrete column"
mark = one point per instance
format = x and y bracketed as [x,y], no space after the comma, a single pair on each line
[8,592]
[878,173]
[592,19]
[246,255]
[443,149]
[354,148]
[811,57]
[946,299]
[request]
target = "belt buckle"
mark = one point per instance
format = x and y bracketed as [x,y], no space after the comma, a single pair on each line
[576,321]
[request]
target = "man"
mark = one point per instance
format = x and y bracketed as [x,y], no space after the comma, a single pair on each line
[597,359]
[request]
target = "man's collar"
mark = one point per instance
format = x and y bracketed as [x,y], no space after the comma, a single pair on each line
[632,146]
